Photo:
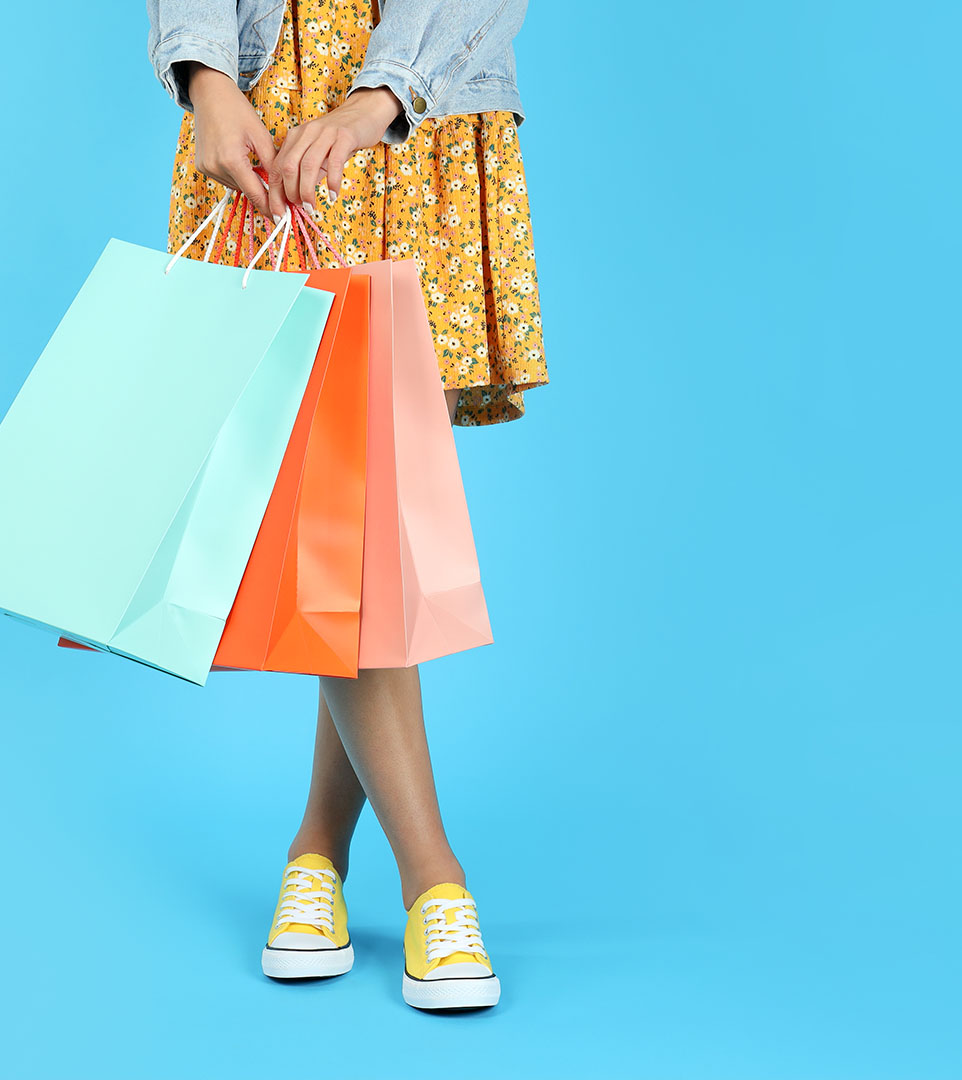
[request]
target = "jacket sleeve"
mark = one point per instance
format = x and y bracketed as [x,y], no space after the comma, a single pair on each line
[428,48]
[182,30]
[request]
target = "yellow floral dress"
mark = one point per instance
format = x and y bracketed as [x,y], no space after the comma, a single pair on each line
[452,197]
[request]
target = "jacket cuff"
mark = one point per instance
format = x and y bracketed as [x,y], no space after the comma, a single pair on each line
[185,46]
[406,85]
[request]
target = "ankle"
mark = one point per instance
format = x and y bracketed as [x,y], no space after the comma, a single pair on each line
[426,875]
[314,846]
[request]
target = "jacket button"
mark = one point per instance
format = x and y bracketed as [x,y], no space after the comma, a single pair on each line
[419,104]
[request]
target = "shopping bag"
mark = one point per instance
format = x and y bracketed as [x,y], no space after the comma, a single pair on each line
[415,591]
[298,605]
[421,595]
[416,594]
[138,458]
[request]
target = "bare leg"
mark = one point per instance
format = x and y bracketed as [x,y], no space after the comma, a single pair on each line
[335,800]
[379,719]
[377,733]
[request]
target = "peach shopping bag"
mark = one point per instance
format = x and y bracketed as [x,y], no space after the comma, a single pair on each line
[421,593]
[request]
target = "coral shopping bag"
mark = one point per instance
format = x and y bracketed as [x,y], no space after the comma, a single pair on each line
[421,595]
[138,458]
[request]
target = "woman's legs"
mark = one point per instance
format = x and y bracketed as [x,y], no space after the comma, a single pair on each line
[371,743]
[379,719]
[335,799]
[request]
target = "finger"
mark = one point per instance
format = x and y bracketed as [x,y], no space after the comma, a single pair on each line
[263,146]
[263,205]
[248,182]
[276,189]
[211,172]
[276,176]
[224,179]
[311,171]
[344,146]
[284,172]
[311,164]
[217,177]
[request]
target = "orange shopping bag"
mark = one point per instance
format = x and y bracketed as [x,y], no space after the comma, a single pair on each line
[297,608]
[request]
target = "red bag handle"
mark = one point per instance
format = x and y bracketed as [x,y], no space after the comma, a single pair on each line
[300,221]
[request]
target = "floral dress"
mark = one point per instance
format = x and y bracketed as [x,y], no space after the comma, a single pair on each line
[452,197]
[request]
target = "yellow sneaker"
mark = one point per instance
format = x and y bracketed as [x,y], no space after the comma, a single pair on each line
[308,936]
[445,963]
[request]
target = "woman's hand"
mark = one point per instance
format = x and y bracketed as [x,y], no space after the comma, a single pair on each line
[323,146]
[227,129]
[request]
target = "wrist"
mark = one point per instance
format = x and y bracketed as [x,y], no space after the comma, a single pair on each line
[381,100]
[202,80]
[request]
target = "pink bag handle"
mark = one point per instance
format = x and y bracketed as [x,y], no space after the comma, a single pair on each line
[302,218]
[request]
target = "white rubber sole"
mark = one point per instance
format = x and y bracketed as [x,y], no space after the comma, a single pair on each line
[306,963]
[451,993]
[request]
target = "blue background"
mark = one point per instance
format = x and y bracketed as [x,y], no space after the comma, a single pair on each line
[705,782]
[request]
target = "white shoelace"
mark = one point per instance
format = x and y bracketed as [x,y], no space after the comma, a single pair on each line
[445,938]
[301,903]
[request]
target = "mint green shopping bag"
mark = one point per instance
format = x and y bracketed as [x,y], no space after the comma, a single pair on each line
[138,458]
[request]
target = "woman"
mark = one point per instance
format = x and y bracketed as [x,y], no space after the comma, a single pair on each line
[409,122]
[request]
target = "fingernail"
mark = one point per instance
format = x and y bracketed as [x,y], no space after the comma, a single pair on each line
[308,208]
[277,219]
[331,196]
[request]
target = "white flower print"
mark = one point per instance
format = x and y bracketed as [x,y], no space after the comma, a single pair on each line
[456,183]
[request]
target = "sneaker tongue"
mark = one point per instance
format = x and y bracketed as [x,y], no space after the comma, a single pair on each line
[313,862]
[446,891]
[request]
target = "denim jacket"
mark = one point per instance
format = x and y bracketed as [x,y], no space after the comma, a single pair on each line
[437,56]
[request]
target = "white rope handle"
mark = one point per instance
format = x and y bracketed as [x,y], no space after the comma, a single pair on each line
[285,224]
[217,212]
[213,233]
